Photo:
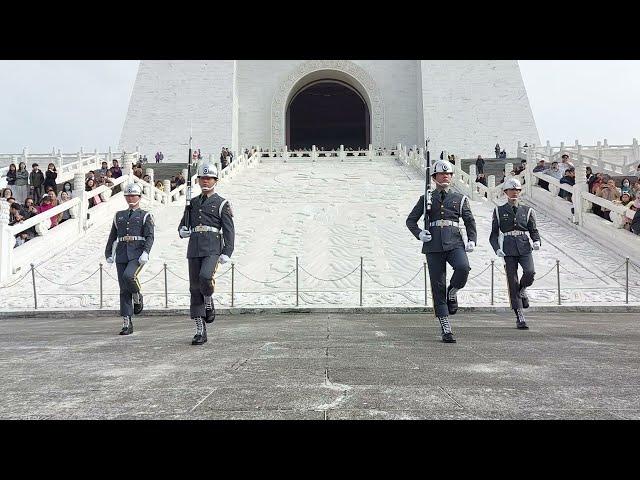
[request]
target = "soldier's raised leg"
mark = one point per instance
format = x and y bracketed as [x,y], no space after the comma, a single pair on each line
[126,302]
[459,261]
[438,279]
[197,308]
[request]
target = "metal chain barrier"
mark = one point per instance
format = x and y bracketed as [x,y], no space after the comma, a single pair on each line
[66,284]
[17,281]
[109,275]
[594,277]
[267,282]
[398,286]
[328,280]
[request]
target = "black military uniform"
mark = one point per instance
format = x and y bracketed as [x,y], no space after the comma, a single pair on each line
[446,246]
[211,237]
[131,238]
[509,235]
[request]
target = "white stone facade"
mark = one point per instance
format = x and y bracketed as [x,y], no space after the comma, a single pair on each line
[465,107]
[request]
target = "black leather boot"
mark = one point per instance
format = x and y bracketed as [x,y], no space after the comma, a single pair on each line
[209,310]
[137,303]
[201,332]
[452,301]
[127,326]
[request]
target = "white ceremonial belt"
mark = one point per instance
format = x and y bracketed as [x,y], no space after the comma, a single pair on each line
[515,232]
[443,223]
[206,228]
[130,238]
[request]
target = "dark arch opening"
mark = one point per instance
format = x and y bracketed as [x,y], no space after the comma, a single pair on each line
[327,114]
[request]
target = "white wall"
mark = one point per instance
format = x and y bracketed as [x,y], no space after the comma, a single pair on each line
[167,96]
[469,106]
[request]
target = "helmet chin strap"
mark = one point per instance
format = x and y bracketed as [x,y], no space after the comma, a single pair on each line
[443,185]
[137,202]
[206,189]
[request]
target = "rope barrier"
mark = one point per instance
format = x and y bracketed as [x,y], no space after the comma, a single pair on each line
[176,275]
[267,282]
[399,286]
[579,276]
[109,275]
[17,281]
[328,280]
[550,270]
[486,268]
[66,284]
[147,281]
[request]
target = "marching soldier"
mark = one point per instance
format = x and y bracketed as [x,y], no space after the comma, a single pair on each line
[443,243]
[129,245]
[211,235]
[509,240]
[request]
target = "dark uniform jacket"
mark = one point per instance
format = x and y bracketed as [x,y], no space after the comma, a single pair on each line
[508,221]
[216,212]
[444,239]
[139,224]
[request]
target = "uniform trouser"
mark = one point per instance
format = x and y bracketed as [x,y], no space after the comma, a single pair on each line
[437,263]
[528,272]
[201,282]
[129,284]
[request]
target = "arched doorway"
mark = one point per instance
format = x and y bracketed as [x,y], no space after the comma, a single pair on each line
[328,113]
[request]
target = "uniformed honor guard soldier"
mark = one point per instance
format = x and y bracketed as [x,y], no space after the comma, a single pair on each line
[211,235]
[129,245]
[443,243]
[509,240]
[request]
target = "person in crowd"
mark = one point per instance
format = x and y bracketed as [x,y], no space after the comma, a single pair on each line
[565,164]
[480,165]
[554,171]
[21,190]
[540,168]
[179,179]
[6,193]
[66,187]
[12,174]
[481,179]
[52,195]
[503,154]
[635,223]
[146,178]
[19,215]
[95,200]
[569,178]
[497,150]
[36,181]
[50,178]
[103,169]
[64,216]
[91,175]
[45,205]
[138,172]
[30,207]
[160,185]
[116,171]
[625,186]
[609,192]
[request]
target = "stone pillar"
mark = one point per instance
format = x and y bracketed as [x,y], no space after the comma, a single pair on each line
[110,157]
[472,181]
[83,208]
[7,242]
[491,186]
[579,155]
[127,166]
[25,157]
[636,150]
[579,189]
[519,152]
[371,152]
[507,170]
[548,148]
[167,189]
[314,153]
[606,144]
[528,177]
[285,154]
[341,153]
[152,193]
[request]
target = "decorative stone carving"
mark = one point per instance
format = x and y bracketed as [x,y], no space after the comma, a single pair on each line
[360,75]
[43,227]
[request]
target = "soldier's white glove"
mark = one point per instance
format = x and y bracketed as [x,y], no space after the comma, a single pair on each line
[224,258]
[470,246]
[144,258]
[500,253]
[536,245]
[184,232]
[110,260]
[425,236]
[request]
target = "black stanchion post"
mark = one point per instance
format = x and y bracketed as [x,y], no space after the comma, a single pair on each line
[360,281]
[558,274]
[33,278]
[296,281]
[166,291]
[232,281]
[492,265]
[424,266]
[626,295]
[101,285]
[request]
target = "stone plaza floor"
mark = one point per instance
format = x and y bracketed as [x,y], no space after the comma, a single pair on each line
[323,366]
